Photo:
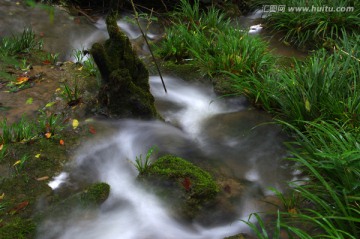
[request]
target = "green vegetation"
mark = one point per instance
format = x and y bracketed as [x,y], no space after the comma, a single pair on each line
[141,164]
[189,187]
[325,86]
[313,29]
[317,100]
[212,43]
[26,129]
[26,42]
[88,63]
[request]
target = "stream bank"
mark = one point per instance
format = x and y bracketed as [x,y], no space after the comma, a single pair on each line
[190,109]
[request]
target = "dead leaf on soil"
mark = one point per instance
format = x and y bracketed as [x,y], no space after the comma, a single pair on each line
[48,135]
[2,196]
[37,156]
[43,178]
[61,142]
[16,163]
[21,80]
[1,146]
[29,101]
[19,207]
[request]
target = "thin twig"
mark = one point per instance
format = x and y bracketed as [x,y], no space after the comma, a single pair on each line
[349,54]
[147,43]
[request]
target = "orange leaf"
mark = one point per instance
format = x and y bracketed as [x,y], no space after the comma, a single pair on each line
[46,62]
[48,135]
[22,79]
[61,142]
[92,129]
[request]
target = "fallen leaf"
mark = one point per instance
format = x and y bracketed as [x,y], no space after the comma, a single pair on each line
[19,207]
[2,196]
[46,62]
[80,68]
[187,183]
[42,178]
[37,156]
[292,211]
[61,142]
[48,135]
[92,129]
[21,80]
[50,104]
[1,146]
[75,123]
[29,101]
[16,163]
[58,89]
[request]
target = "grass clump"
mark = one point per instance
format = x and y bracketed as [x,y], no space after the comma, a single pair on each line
[329,153]
[210,41]
[314,28]
[13,45]
[324,86]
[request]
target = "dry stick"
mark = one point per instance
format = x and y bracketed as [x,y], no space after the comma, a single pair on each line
[147,43]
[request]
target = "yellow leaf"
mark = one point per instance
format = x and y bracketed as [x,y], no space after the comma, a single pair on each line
[307,105]
[75,123]
[17,162]
[37,156]
[58,89]
[1,146]
[48,135]
[80,68]
[2,196]
[21,80]
[29,101]
[50,104]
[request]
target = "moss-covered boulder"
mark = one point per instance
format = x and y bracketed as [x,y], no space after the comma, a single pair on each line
[188,187]
[125,89]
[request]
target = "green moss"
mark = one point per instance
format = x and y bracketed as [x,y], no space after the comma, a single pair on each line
[18,228]
[95,194]
[125,89]
[190,187]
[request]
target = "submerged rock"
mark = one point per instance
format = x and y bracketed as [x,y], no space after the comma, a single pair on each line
[188,187]
[125,89]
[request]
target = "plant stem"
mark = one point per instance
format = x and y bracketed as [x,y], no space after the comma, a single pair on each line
[147,43]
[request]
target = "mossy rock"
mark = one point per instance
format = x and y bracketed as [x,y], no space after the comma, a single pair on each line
[188,187]
[95,194]
[125,89]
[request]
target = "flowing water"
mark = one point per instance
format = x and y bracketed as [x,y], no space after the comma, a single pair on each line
[237,144]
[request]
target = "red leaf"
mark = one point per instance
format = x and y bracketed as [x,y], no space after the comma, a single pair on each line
[187,183]
[92,129]
[46,62]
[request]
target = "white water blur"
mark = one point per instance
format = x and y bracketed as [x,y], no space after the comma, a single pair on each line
[194,103]
[132,212]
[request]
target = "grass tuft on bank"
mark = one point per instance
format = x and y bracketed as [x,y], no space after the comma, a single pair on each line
[313,24]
